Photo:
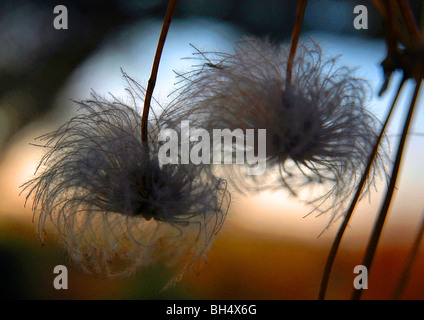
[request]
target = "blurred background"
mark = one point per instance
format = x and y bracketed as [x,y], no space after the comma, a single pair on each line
[267,249]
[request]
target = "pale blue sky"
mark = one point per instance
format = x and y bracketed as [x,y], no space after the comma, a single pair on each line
[134,48]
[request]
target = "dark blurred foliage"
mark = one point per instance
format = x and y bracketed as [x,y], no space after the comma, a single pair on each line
[26,272]
[36,60]
[253,267]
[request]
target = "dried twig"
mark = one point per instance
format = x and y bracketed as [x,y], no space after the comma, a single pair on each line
[408,18]
[378,227]
[342,229]
[379,6]
[412,257]
[301,6]
[152,81]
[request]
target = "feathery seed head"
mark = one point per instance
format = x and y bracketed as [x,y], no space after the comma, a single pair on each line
[318,129]
[114,206]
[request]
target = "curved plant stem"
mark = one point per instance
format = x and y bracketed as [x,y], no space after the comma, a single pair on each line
[379,6]
[422,17]
[409,19]
[411,259]
[388,12]
[393,29]
[301,6]
[392,35]
[340,233]
[152,81]
[378,227]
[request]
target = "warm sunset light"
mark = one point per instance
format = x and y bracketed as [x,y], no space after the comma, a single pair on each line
[112,220]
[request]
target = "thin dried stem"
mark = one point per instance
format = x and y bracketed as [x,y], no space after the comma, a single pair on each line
[342,229]
[379,6]
[301,6]
[411,259]
[378,227]
[392,33]
[408,18]
[422,17]
[392,36]
[152,81]
[388,12]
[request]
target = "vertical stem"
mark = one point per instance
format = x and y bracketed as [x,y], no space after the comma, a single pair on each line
[409,19]
[392,33]
[301,6]
[152,81]
[422,17]
[412,256]
[340,233]
[378,5]
[378,227]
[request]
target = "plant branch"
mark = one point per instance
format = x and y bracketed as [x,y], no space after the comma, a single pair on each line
[301,6]
[392,34]
[336,243]
[391,62]
[408,18]
[152,81]
[378,227]
[379,6]
[411,259]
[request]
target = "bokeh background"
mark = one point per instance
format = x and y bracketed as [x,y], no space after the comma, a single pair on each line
[267,248]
